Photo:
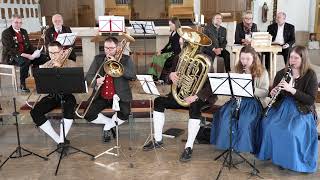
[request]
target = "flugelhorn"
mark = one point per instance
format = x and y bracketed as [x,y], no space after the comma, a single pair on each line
[112,67]
[53,63]
[286,78]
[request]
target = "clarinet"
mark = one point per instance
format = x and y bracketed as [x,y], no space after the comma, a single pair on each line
[286,77]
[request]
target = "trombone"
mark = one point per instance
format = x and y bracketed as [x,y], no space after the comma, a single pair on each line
[112,67]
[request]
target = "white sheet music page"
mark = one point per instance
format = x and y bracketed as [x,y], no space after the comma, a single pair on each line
[148,84]
[111,24]
[66,39]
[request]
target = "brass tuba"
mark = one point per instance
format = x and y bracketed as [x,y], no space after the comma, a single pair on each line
[112,67]
[192,68]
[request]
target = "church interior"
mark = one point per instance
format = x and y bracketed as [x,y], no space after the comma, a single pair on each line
[90,151]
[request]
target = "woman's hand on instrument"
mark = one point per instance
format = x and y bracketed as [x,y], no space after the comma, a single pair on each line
[274,91]
[173,76]
[287,87]
[158,53]
[191,99]
[100,81]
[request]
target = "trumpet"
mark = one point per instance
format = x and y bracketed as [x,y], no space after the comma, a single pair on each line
[112,67]
[286,78]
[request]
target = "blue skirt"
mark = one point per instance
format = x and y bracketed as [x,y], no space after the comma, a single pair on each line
[243,130]
[289,138]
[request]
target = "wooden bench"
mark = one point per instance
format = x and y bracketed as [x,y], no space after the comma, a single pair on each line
[180,11]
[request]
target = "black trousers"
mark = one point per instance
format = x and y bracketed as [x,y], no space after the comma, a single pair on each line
[284,53]
[50,102]
[224,54]
[163,103]
[100,103]
[24,65]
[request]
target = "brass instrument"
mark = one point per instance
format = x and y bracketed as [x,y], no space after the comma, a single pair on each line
[44,29]
[112,67]
[53,63]
[286,78]
[192,68]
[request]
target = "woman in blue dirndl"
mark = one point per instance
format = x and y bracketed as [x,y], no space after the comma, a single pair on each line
[288,132]
[249,109]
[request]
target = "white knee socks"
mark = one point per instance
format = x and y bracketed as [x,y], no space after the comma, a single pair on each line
[47,128]
[158,122]
[193,128]
[67,126]
[108,122]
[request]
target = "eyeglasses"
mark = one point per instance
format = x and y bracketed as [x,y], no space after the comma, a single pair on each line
[109,48]
[248,18]
[54,53]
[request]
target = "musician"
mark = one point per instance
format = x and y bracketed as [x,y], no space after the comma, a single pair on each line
[18,51]
[244,29]
[282,34]
[218,35]
[160,67]
[245,111]
[52,101]
[58,28]
[203,98]
[111,86]
[289,133]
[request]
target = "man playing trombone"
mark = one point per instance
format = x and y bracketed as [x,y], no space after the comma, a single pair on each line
[111,87]
[59,59]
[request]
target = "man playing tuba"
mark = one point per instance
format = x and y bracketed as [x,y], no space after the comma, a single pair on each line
[48,103]
[111,88]
[196,102]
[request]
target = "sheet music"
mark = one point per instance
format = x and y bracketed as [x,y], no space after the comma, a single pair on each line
[66,39]
[241,84]
[111,24]
[148,25]
[148,84]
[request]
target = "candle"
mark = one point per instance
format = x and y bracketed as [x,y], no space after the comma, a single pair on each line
[43,21]
[202,19]
[196,18]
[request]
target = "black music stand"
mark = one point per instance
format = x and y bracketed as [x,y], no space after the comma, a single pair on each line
[144,27]
[19,149]
[61,81]
[232,84]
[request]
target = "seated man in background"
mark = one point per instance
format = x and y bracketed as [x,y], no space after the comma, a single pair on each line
[218,35]
[18,51]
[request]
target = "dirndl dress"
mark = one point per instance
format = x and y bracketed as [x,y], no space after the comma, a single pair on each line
[243,129]
[289,137]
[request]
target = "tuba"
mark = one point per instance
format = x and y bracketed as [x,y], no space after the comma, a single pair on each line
[112,67]
[192,68]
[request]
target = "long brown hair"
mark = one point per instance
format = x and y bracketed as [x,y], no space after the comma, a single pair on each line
[305,62]
[256,67]
[176,22]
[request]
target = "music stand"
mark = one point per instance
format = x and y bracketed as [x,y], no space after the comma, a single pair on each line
[144,27]
[19,149]
[61,81]
[232,84]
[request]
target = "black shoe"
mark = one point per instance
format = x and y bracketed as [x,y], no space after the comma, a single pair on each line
[186,155]
[23,88]
[61,145]
[106,136]
[152,145]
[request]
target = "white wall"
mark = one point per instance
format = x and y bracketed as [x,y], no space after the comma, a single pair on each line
[312,14]
[257,14]
[196,6]
[298,13]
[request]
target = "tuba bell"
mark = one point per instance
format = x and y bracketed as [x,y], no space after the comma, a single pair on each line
[192,68]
